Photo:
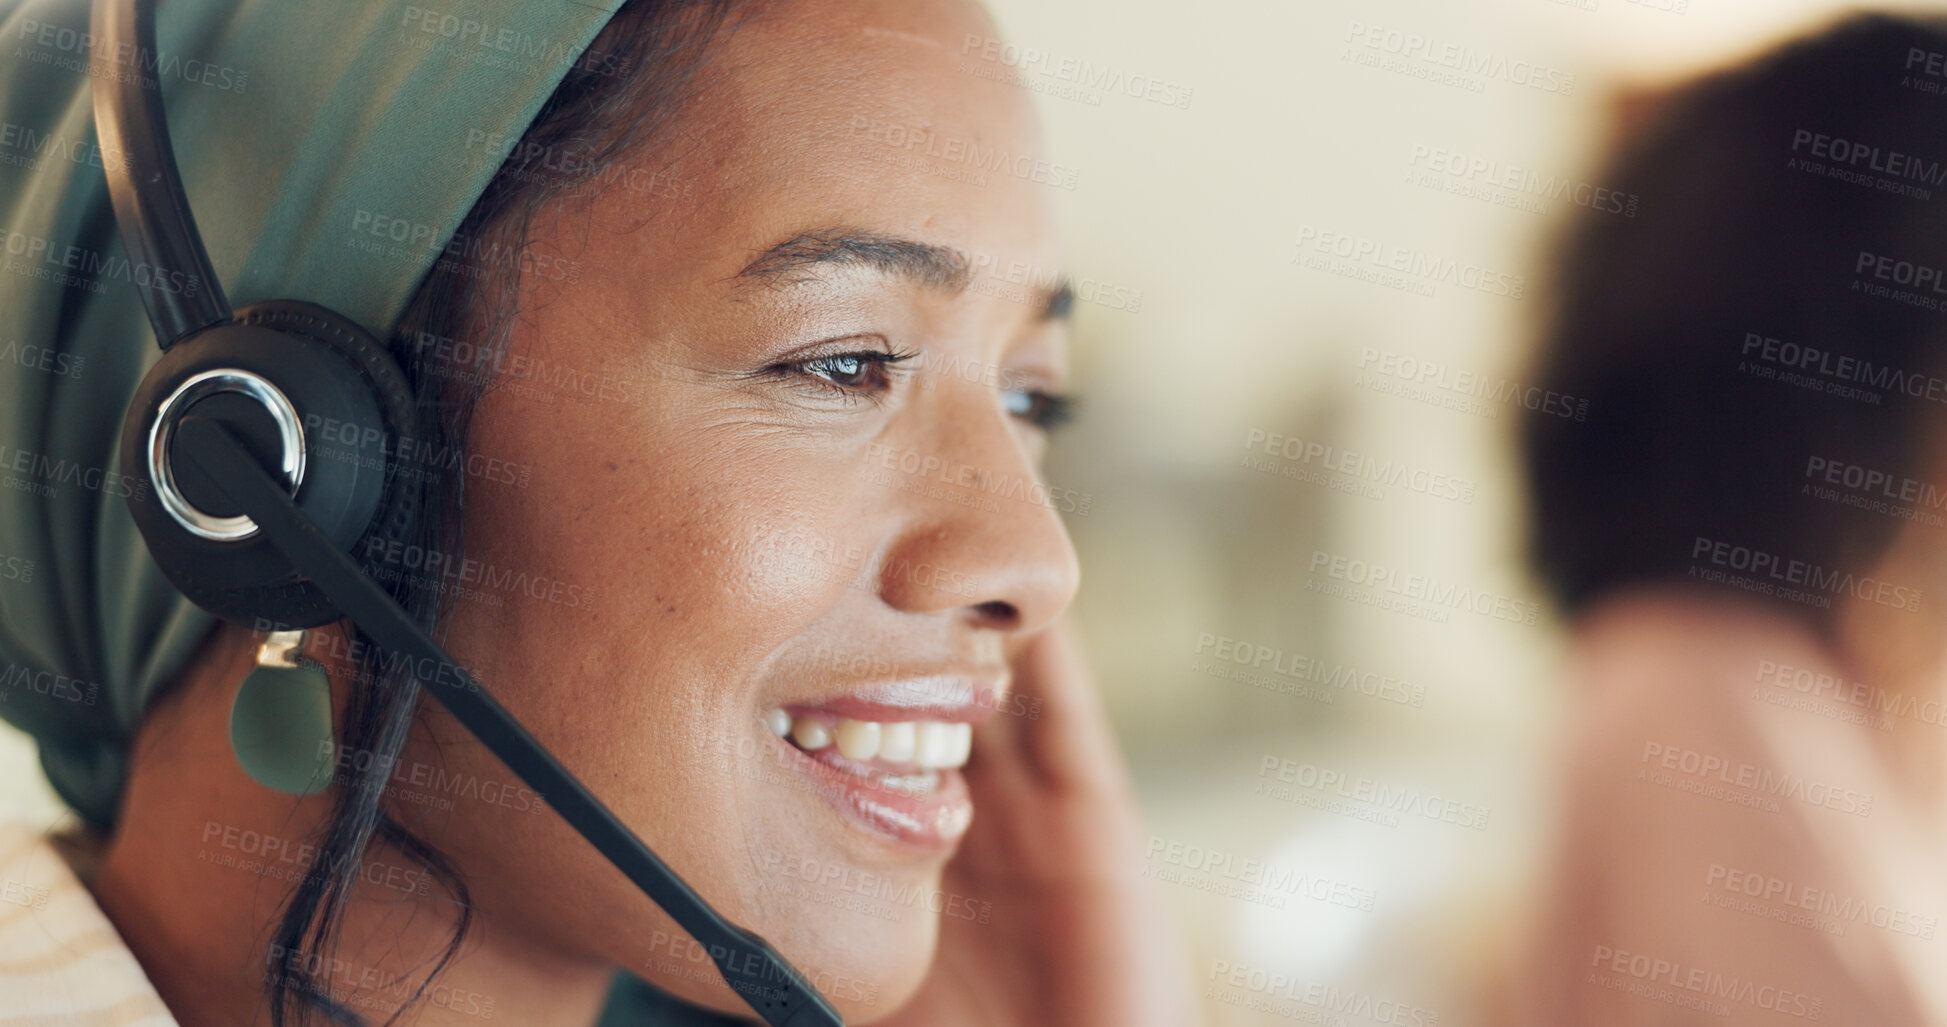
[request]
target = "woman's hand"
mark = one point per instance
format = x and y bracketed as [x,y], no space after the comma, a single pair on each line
[1076,934]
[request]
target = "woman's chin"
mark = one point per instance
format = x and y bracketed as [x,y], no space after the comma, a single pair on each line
[865,938]
[867,968]
[882,994]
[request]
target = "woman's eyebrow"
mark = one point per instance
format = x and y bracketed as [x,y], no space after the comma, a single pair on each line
[801,257]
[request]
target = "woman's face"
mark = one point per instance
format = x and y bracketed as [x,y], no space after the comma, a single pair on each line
[735,506]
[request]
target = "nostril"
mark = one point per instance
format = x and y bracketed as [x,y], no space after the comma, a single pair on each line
[999,613]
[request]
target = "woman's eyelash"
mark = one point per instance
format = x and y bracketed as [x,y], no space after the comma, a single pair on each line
[864,372]
[870,373]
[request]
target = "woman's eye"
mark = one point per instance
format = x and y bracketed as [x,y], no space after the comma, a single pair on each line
[851,370]
[867,372]
[1045,410]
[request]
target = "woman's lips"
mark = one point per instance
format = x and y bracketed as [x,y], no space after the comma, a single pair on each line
[896,778]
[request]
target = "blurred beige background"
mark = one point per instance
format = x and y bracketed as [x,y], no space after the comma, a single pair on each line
[1332,856]
[1304,119]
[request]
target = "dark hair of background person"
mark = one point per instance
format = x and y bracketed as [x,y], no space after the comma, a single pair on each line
[619,95]
[1649,317]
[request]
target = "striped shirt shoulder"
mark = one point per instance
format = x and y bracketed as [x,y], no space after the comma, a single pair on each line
[61,960]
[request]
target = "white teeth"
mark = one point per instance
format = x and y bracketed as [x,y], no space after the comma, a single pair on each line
[896,744]
[858,739]
[934,742]
[927,744]
[811,735]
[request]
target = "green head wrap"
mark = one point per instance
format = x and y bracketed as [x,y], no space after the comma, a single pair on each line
[329,150]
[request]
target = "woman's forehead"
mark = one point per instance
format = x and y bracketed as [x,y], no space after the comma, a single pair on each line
[871,127]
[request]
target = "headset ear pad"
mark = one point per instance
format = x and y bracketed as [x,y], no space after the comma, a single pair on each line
[282,371]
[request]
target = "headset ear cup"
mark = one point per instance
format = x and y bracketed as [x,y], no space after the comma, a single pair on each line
[353,406]
[393,521]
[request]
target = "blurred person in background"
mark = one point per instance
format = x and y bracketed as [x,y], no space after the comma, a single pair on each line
[1748,537]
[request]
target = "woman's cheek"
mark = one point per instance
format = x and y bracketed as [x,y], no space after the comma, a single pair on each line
[792,535]
[701,567]
[798,568]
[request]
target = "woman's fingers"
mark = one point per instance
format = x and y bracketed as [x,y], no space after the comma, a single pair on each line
[1056,730]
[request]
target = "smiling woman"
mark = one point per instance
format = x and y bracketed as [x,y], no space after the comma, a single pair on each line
[729,471]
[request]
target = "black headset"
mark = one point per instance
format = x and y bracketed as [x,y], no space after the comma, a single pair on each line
[252,516]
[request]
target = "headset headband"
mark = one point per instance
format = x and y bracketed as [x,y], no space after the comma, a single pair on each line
[157,227]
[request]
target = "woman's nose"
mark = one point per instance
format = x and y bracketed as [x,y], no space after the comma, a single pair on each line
[982,531]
